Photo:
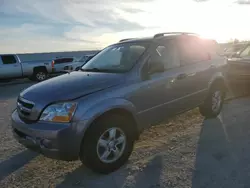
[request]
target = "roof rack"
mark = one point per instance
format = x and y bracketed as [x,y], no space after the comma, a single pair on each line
[173,33]
[126,39]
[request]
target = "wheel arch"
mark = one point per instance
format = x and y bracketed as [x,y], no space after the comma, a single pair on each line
[101,110]
[218,79]
[39,68]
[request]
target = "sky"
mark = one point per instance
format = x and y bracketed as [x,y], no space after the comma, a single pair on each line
[28,26]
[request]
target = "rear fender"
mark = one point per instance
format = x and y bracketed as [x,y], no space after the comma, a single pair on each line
[218,77]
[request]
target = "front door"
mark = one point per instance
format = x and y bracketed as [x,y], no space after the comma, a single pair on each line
[156,97]
[10,67]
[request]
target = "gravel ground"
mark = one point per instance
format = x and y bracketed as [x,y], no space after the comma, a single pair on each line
[186,151]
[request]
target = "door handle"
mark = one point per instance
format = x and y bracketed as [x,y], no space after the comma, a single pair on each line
[181,76]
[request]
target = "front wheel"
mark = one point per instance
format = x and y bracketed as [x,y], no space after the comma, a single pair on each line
[108,144]
[213,104]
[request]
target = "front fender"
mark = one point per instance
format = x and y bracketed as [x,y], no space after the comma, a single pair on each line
[98,109]
[106,105]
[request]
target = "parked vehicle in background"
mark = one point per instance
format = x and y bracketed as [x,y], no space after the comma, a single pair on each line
[96,114]
[62,65]
[239,66]
[11,67]
[234,49]
[59,64]
[82,61]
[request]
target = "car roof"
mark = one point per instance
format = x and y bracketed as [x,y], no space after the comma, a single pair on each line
[158,37]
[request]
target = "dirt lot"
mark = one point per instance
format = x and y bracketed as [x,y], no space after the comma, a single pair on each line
[187,151]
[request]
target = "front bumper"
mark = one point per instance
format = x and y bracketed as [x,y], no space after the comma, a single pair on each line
[54,140]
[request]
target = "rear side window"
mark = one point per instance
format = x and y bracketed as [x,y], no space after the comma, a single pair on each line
[192,51]
[63,60]
[212,46]
[8,59]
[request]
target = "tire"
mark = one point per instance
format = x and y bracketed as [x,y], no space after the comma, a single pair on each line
[91,152]
[212,108]
[40,75]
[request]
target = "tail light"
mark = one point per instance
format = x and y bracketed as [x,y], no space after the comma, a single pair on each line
[52,64]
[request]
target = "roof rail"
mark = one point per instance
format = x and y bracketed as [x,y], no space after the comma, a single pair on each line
[126,39]
[174,33]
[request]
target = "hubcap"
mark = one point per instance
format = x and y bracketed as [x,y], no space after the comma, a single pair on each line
[216,101]
[41,76]
[111,145]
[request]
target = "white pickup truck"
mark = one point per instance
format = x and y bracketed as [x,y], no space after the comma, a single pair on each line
[11,67]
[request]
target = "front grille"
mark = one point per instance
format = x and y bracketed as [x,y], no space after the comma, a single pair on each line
[24,108]
[25,103]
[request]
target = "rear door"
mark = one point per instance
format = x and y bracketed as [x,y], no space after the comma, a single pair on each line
[10,67]
[197,69]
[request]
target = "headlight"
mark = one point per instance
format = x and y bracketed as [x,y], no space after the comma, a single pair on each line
[60,112]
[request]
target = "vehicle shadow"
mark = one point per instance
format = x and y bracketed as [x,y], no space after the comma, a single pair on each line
[14,163]
[223,153]
[147,177]
[12,91]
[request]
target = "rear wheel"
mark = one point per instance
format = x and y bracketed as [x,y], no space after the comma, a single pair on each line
[108,144]
[40,75]
[214,101]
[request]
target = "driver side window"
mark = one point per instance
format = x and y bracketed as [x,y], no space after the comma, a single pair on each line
[164,56]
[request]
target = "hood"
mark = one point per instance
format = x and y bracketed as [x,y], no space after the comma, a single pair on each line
[70,86]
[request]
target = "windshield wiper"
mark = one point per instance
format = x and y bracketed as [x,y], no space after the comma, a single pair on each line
[91,70]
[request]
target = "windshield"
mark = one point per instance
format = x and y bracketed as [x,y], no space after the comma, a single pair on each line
[117,58]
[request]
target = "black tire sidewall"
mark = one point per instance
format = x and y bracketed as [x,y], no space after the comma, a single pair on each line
[88,153]
[206,109]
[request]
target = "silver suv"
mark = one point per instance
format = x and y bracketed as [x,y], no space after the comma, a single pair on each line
[98,112]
